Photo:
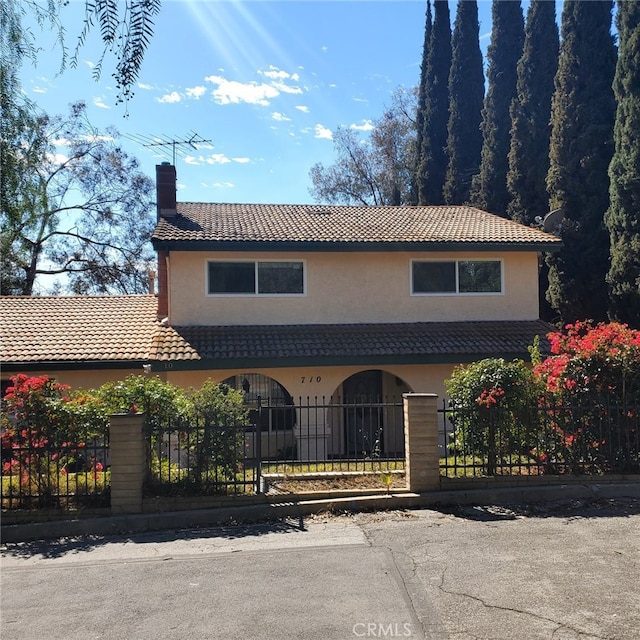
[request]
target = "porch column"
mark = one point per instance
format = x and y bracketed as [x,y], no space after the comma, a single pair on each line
[422,461]
[128,453]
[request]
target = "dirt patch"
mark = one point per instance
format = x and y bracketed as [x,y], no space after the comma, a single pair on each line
[338,483]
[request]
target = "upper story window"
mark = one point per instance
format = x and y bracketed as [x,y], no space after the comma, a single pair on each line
[456,276]
[255,277]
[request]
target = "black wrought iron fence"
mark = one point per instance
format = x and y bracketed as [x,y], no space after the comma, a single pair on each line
[38,472]
[543,440]
[200,459]
[314,436]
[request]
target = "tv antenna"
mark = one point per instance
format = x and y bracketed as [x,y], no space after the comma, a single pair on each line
[171,146]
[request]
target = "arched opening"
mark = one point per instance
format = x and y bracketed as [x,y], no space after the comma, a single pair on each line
[272,408]
[370,421]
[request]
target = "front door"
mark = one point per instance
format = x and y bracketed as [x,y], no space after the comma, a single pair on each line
[363,414]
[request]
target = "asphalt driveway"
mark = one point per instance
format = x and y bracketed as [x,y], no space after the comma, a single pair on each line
[558,571]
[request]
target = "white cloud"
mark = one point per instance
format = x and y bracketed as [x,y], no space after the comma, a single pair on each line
[278,74]
[280,117]
[285,88]
[144,87]
[323,133]
[99,102]
[217,185]
[214,158]
[169,98]
[303,108]
[196,92]
[241,160]
[40,90]
[232,92]
[366,125]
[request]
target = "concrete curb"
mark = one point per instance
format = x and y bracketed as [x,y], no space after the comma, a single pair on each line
[297,506]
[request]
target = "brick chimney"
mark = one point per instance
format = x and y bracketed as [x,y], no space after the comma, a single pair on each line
[166,202]
[166,190]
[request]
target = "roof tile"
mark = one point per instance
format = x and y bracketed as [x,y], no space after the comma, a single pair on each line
[213,222]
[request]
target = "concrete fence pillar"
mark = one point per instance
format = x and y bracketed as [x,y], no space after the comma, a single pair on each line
[128,452]
[422,462]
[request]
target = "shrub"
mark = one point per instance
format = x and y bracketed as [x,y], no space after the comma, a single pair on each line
[491,401]
[593,362]
[221,416]
[162,402]
[594,373]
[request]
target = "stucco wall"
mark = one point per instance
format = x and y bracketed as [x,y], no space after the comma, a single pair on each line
[351,288]
[82,379]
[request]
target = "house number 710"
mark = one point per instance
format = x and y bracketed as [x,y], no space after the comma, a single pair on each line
[310,379]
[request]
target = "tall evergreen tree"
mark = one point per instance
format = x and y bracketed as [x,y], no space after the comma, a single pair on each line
[581,147]
[466,94]
[489,186]
[433,158]
[530,115]
[623,217]
[421,108]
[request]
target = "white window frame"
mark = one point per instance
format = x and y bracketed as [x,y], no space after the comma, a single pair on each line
[457,292]
[256,294]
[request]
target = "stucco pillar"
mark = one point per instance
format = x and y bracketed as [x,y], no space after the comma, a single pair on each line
[422,462]
[128,453]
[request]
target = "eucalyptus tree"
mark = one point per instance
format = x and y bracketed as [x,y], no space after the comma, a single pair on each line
[79,209]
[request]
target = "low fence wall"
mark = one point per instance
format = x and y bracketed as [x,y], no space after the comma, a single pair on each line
[437,456]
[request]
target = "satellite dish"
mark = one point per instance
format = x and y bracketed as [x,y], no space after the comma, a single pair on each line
[552,220]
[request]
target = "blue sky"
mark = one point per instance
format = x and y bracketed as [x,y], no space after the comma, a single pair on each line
[266,82]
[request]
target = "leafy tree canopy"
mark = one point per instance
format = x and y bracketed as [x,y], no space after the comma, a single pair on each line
[374,171]
[74,204]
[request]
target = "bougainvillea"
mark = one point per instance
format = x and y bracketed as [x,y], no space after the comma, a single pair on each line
[595,361]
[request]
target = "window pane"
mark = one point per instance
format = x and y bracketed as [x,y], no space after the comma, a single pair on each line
[280,277]
[434,277]
[479,277]
[232,277]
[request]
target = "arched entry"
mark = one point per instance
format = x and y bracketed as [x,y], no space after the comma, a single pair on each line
[271,406]
[371,420]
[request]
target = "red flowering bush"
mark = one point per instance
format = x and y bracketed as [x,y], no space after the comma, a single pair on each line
[592,380]
[44,431]
[594,361]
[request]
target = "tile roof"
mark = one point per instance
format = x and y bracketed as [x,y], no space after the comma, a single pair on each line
[217,223]
[112,330]
[431,341]
[76,328]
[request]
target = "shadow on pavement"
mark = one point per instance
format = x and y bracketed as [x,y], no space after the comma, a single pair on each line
[61,547]
[593,508]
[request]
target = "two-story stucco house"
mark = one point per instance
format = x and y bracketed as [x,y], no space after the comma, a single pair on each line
[297,301]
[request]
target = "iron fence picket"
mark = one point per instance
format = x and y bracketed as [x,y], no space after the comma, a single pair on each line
[580,438]
[37,472]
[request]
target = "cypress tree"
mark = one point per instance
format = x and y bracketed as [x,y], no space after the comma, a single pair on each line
[489,187]
[582,116]
[421,108]
[623,217]
[433,156]
[530,115]
[466,94]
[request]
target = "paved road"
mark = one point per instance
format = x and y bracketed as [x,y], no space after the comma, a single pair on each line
[565,571]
